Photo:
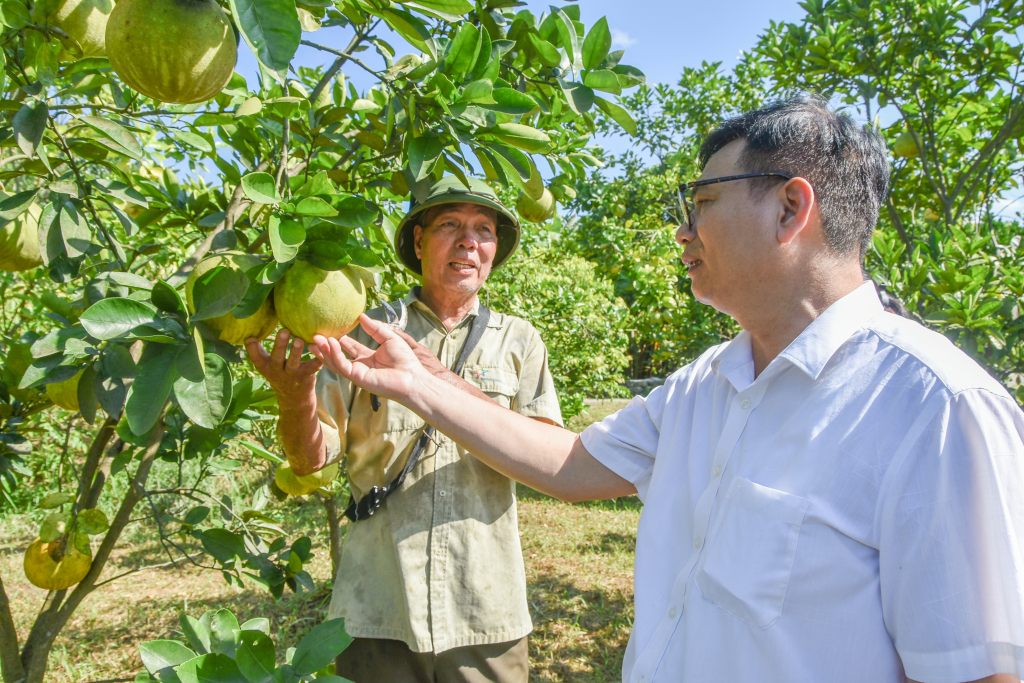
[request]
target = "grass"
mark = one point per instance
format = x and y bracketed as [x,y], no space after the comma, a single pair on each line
[579,563]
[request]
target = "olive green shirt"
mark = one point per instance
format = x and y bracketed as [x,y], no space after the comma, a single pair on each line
[439,564]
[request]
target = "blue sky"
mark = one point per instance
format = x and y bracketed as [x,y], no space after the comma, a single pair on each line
[660,37]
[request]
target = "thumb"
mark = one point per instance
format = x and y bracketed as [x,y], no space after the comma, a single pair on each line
[380,332]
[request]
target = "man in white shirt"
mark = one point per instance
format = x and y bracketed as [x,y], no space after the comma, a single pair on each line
[835,494]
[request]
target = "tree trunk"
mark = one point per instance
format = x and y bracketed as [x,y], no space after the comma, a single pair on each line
[334,527]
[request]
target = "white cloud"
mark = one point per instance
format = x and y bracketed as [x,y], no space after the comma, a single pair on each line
[621,38]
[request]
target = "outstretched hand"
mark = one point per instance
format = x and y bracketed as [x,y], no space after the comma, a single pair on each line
[391,371]
[288,375]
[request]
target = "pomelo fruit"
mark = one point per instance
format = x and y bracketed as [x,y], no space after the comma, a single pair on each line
[286,480]
[312,301]
[65,394]
[536,210]
[179,51]
[83,20]
[234,330]
[19,241]
[44,571]
[906,145]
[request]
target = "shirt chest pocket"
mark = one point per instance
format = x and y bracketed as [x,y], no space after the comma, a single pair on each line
[498,383]
[747,564]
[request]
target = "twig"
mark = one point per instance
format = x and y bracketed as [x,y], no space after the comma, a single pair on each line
[340,61]
[349,57]
[173,562]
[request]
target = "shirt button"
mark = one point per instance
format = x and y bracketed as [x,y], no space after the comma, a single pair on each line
[745,403]
[698,542]
[718,470]
[672,613]
[443,494]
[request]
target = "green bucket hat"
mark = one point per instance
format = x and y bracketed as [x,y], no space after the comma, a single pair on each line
[451,190]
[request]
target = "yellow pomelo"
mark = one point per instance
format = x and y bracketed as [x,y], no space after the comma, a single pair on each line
[19,241]
[234,330]
[180,51]
[286,480]
[83,20]
[312,301]
[536,210]
[906,145]
[42,570]
[65,394]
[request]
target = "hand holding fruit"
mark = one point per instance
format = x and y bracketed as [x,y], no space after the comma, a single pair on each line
[289,376]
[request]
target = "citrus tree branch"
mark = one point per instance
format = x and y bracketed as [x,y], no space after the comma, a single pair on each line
[11,668]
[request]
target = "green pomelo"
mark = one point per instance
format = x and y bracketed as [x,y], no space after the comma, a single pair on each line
[286,480]
[320,478]
[312,301]
[65,394]
[179,51]
[906,145]
[536,211]
[43,571]
[19,241]
[83,20]
[234,330]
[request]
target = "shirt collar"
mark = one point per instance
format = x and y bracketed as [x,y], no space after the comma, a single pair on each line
[413,301]
[813,348]
[817,344]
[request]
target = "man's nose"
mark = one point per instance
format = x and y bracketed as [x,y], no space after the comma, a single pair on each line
[685,234]
[467,239]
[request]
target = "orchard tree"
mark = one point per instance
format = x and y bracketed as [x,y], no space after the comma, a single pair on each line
[158,208]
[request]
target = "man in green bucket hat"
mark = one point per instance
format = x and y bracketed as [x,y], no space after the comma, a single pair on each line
[431,581]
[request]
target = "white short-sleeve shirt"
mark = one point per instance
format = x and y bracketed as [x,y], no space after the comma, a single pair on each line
[854,513]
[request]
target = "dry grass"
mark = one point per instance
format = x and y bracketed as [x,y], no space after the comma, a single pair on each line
[579,561]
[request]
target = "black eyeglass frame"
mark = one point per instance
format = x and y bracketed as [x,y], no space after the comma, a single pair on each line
[714,181]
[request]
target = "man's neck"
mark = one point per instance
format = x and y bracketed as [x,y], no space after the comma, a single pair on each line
[774,325]
[450,307]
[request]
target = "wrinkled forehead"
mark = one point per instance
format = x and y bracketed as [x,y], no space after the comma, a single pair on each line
[463,210]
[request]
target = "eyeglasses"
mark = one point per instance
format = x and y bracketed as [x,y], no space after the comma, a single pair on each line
[687,202]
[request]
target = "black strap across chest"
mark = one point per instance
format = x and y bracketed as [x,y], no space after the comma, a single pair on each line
[368,504]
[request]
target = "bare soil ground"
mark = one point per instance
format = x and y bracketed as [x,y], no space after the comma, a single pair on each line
[579,561]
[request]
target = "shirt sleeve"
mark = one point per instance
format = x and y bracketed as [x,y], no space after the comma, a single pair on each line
[626,442]
[536,395]
[333,402]
[950,529]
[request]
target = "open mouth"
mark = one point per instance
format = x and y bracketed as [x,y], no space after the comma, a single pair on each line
[462,266]
[691,262]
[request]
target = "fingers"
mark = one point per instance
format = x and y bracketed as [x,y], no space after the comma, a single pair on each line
[381,332]
[295,357]
[257,354]
[277,354]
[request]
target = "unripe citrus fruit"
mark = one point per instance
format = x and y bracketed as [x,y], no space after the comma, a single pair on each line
[536,210]
[19,241]
[906,145]
[234,330]
[618,211]
[65,394]
[286,480]
[180,51]
[42,570]
[312,301]
[83,20]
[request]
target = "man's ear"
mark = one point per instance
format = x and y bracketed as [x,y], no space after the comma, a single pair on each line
[417,239]
[798,209]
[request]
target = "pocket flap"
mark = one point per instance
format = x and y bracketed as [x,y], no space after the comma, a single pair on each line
[492,380]
[779,505]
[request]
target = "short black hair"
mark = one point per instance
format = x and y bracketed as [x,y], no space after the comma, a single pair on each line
[846,163]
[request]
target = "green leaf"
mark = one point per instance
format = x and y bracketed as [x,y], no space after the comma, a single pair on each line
[261,188]
[570,40]
[194,140]
[17,204]
[597,44]
[424,152]
[115,317]
[320,647]
[314,206]
[272,30]
[549,54]
[449,10]
[74,231]
[579,96]
[191,363]
[206,402]
[29,124]
[223,625]
[260,451]
[253,105]
[521,136]
[151,388]
[353,212]
[117,133]
[412,29]
[159,656]
[222,545]
[603,80]
[260,624]
[509,101]
[463,53]
[327,255]
[92,522]
[629,76]
[212,668]
[166,298]
[55,500]
[196,633]
[287,236]
[255,656]
[54,526]
[617,114]
[216,292]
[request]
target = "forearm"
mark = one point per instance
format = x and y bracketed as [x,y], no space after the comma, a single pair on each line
[542,456]
[302,435]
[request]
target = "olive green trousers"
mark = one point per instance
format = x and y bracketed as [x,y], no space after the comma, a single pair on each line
[376,660]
